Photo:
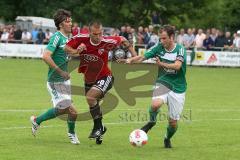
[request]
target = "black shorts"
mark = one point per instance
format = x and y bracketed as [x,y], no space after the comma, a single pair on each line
[104,84]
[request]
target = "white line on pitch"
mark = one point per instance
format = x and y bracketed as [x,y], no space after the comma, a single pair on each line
[132,109]
[116,123]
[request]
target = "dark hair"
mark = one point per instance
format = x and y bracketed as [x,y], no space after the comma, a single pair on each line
[60,16]
[95,23]
[169,29]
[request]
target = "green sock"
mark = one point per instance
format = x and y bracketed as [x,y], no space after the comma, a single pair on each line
[71,126]
[153,114]
[171,131]
[51,113]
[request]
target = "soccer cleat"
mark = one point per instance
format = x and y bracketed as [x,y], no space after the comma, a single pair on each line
[97,132]
[148,126]
[73,138]
[100,138]
[167,143]
[35,126]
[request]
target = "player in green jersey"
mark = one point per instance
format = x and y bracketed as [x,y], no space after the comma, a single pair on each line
[171,83]
[58,83]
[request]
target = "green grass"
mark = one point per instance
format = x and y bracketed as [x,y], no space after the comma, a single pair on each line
[212,101]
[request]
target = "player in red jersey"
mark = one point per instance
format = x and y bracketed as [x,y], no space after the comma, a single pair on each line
[93,50]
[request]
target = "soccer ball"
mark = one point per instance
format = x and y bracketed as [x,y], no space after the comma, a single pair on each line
[138,138]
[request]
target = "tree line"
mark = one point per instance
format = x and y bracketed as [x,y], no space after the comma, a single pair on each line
[223,14]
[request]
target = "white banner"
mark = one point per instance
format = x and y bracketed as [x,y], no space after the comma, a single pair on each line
[21,50]
[217,58]
[202,58]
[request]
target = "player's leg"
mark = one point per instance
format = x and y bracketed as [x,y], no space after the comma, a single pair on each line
[49,114]
[154,109]
[93,95]
[175,108]
[160,93]
[72,117]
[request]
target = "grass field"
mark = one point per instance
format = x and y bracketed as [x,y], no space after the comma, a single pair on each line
[209,130]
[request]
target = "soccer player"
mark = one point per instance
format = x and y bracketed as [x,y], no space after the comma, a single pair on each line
[94,48]
[58,78]
[171,84]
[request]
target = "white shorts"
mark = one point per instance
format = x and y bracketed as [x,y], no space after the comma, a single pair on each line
[175,101]
[60,93]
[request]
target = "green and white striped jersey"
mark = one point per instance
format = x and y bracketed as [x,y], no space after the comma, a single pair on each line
[56,46]
[174,80]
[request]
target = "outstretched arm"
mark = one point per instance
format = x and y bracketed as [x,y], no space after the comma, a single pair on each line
[71,51]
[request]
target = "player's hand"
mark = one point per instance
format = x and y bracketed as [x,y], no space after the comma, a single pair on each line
[158,62]
[65,75]
[128,61]
[121,60]
[81,48]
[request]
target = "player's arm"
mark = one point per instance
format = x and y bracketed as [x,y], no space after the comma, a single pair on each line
[49,61]
[71,51]
[74,46]
[176,65]
[178,62]
[149,54]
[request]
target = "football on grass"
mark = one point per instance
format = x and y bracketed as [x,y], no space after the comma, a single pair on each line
[138,138]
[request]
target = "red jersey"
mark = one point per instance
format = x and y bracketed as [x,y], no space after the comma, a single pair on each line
[94,60]
[75,31]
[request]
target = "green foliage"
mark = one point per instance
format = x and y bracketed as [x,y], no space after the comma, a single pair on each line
[181,13]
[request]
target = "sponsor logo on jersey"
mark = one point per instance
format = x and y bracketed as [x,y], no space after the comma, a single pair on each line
[170,71]
[90,58]
[100,51]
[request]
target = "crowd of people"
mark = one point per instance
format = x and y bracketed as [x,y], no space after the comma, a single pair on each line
[14,34]
[209,39]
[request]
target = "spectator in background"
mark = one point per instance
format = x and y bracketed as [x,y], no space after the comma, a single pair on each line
[18,34]
[146,35]
[40,36]
[213,34]
[84,30]
[194,31]
[228,44]
[150,30]
[219,41]
[154,39]
[1,31]
[134,36]
[208,42]
[123,32]
[208,31]
[199,38]
[11,34]
[180,36]
[26,36]
[48,35]
[5,35]
[34,34]
[115,32]
[140,35]
[236,40]
[129,34]
[188,39]
[75,29]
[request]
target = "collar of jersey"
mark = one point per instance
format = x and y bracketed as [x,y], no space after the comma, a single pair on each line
[94,43]
[172,49]
[62,34]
